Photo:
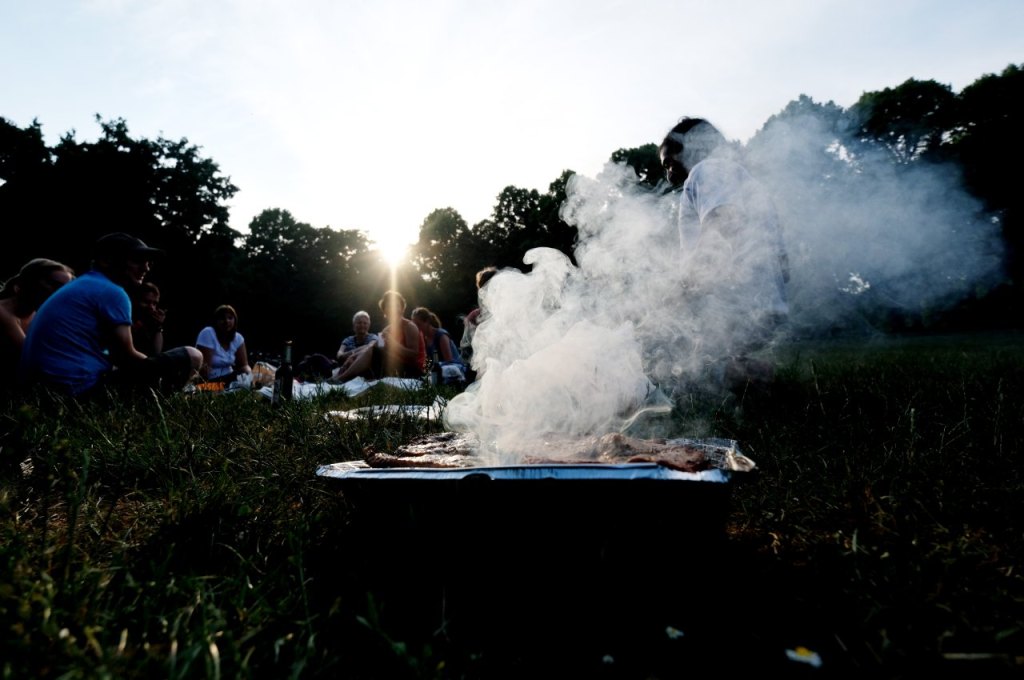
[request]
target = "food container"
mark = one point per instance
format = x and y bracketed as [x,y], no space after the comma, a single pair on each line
[543,552]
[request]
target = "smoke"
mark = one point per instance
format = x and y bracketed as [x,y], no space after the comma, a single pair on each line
[644,316]
[867,236]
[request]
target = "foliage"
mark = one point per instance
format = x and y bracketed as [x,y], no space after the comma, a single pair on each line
[644,160]
[911,121]
[285,275]
[189,536]
[315,278]
[448,255]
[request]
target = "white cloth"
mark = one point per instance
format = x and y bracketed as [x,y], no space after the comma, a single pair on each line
[351,388]
[223,361]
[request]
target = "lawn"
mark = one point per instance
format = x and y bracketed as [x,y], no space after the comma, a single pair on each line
[190,536]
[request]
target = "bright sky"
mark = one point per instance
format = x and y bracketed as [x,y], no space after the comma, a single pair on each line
[369,115]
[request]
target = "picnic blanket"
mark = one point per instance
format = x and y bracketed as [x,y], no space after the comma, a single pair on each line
[356,386]
[425,412]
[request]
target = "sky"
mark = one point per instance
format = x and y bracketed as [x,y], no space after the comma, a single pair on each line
[370,115]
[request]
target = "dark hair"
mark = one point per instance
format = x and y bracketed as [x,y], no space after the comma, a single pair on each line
[146,287]
[485,275]
[222,312]
[424,314]
[32,273]
[388,297]
[685,124]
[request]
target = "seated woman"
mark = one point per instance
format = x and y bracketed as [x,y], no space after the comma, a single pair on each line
[223,347]
[440,343]
[20,297]
[398,352]
[361,336]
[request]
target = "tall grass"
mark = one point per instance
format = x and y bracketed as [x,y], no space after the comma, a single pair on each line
[189,536]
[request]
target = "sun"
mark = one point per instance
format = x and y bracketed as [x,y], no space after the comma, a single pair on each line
[393,252]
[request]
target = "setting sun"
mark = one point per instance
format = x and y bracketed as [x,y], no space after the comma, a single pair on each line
[393,252]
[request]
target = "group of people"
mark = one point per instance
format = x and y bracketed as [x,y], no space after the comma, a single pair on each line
[105,327]
[74,334]
[402,347]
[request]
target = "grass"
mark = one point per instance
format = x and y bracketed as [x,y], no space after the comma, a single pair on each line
[189,536]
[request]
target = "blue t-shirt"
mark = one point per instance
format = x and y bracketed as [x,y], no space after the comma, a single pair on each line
[441,335]
[350,343]
[67,346]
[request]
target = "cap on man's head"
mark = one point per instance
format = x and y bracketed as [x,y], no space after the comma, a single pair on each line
[122,245]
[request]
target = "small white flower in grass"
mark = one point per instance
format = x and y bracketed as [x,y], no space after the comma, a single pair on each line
[803,655]
[673,633]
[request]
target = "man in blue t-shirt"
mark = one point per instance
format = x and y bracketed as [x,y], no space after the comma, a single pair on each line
[81,339]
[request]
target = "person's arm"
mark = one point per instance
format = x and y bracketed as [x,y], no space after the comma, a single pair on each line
[445,348]
[241,360]
[158,340]
[725,219]
[713,253]
[123,349]
[344,352]
[157,323]
[10,328]
[204,370]
[467,338]
[359,362]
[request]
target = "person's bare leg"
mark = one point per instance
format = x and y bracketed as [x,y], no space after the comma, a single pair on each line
[356,365]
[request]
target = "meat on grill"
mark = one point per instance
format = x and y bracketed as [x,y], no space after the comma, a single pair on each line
[456,450]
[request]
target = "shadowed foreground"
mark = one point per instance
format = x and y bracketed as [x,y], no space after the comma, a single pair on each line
[190,537]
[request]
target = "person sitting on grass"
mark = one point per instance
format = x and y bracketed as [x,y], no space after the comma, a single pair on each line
[147,319]
[223,347]
[20,297]
[440,343]
[361,336]
[399,352]
[81,338]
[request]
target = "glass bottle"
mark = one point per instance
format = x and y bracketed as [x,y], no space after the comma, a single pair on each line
[436,376]
[284,377]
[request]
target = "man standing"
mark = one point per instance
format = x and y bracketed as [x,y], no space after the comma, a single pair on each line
[81,338]
[732,244]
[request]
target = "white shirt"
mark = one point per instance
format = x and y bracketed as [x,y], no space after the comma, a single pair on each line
[223,361]
[747,266]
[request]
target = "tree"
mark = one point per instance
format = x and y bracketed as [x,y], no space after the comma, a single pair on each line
[61,200]
[910,121]
[989,139]
[26,169]
[644,160]
[448,255]
[290,270]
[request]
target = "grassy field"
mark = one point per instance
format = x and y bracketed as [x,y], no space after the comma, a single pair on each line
[190,537]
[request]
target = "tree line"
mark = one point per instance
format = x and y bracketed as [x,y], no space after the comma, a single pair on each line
[291,280]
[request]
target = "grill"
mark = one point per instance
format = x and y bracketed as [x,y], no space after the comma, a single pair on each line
[571,555]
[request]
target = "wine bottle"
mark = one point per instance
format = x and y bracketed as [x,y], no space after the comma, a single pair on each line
[436,376]
[283,377]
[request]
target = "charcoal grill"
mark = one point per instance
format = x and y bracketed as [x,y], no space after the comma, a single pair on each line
[543,554]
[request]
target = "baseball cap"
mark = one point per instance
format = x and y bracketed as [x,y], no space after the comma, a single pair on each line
[120,244]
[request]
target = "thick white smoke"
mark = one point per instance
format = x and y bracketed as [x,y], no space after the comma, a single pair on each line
[866,235]
[577,350]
